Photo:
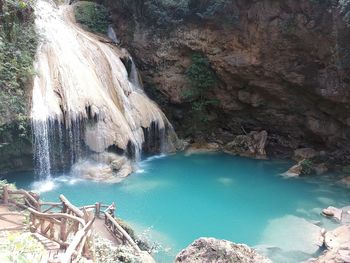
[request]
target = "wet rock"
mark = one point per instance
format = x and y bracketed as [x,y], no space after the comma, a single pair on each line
[118,163]
[218,251]
[294,171]
[250,145]
[305,153]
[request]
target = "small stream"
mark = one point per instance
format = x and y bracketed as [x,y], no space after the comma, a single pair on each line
[172,200]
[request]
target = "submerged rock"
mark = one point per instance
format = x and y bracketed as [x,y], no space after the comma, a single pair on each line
[250,145]
[219,251]
[291,233]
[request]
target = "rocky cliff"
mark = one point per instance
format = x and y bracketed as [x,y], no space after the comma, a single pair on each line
[279,66]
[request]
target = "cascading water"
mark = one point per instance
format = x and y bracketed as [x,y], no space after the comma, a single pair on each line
[84,100]
[112,35]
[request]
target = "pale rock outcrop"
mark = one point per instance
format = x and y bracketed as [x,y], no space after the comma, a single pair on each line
[249,145]
[197,148]
[338,238]
[294,171]
[340,255]
[342,215]
[212,250]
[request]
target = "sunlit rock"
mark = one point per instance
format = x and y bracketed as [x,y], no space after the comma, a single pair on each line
[338,238]
[217,251]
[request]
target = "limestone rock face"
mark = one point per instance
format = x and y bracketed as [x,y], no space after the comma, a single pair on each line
[219,251]
[282,66]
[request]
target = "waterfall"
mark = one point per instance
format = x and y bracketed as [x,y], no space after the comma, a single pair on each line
[112,35]
[84,100]
[134,75]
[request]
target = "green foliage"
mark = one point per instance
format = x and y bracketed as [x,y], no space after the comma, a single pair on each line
[307,166]
[203,80]
[18,42]
[20,248]
[93,16]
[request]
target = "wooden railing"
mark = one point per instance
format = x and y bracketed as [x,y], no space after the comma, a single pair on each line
[115,228]
[20,198]
[62,222]
[57,227]
[79,245]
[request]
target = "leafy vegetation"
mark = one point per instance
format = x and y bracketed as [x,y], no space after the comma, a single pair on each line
[18,42]
[19,247]
[307,166]
[203,80]
[93,16]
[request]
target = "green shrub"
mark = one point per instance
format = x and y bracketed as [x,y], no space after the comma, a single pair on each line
[93,16]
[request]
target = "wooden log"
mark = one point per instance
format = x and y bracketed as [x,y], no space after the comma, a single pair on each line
[97,209]
[63,230]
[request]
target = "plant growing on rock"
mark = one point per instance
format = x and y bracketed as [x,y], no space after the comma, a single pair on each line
[307,167]
[203,80]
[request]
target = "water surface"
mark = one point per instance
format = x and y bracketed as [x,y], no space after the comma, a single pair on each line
[175,199]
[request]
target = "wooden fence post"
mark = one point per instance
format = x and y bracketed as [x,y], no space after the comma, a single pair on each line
[5,195]
[97,209]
